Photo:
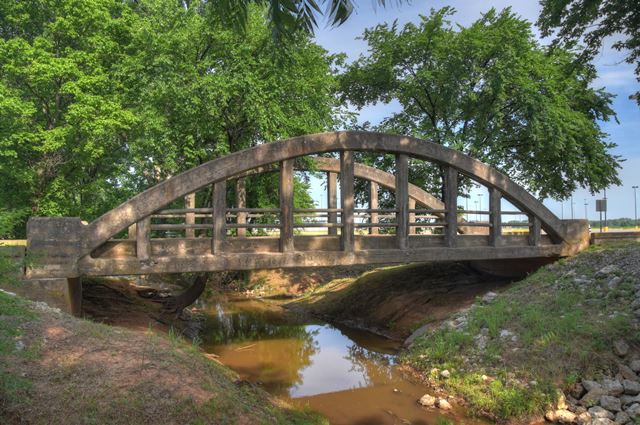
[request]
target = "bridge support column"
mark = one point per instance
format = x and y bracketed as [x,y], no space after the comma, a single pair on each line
[190,218]
[495,218]
[286,206]
[332,201]
[534,230]
[143,239]
[241,202]
[346,195]
[74,295]
[373,205]
[451,205]
[402,200]
[219,216]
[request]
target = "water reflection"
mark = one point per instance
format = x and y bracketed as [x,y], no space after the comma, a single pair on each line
[347,374]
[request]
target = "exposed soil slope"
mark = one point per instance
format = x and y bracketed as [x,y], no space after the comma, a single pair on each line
[396,300]
[57,369]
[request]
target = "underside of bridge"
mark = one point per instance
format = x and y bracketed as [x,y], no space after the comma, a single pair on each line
[190,222]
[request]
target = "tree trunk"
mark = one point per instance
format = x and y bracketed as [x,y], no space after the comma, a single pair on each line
[175,305]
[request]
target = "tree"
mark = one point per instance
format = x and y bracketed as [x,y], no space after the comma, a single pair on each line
[62,120]
[492,92]
[591,22]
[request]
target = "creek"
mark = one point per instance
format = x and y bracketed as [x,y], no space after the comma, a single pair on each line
[348,375]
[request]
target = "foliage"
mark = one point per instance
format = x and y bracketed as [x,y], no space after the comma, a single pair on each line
[591,22]
[489,90]
[101,99]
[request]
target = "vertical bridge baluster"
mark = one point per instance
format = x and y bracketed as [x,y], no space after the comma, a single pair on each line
[143,239]
[412,216]
[241,202]
[451,205]
[402,200]
[534,230]
[286,206]
[495,217]
[332,201]
[190,218]
[219,216]
[346,195]
[373,205]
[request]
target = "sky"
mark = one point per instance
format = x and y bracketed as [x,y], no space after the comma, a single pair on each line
[618,78]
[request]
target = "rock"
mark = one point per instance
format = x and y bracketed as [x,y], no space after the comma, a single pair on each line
[592,397]
[564,416]
[612,387]
[610,403]
[445,374]
[427,400]
[590,385]
[443,404]
[489,296]
[627,400]
[481,341]
[577,391]
[581,281]
[505,333]
[20,345]
[622,418]
[621,348]
[417,333]
[606,270]
[634,411]
[631,387]
[601,421]
[635,365]
[562,402]
[584,419]
[614,282]
[599,412]
[627,373]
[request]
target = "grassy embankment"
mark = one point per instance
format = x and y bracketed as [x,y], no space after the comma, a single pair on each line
[558,326]
[58,369]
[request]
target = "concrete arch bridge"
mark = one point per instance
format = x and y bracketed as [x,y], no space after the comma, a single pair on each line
[143,236]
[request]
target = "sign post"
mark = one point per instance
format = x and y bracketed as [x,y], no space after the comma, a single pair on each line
[601,206]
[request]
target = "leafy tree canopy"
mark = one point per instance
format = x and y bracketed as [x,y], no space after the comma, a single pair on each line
[100,99]
[489,90]
[590,22]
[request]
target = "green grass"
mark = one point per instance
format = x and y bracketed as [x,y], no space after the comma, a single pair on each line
[564,332]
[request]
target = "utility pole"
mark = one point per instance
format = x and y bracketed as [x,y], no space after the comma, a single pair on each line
[635,206]
[561,210]
[479,205]
[572,207]
[466,207]
[606,227]
[476,204]
[585,209]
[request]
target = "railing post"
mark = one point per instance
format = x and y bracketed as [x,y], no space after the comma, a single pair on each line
[373,205]
[131,232]
[332,201]
[346,195]
[534,230]
[190,218]
[495,218]
[412,216]
[402,200]
[241,202]
[286,206]
[451,205]
[219,216]
[143,239]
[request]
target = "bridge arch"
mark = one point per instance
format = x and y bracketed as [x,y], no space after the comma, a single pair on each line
[144,204]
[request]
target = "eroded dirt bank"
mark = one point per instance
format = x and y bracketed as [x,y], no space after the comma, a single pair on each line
[57,369]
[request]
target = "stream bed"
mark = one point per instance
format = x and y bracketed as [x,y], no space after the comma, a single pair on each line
[346,374]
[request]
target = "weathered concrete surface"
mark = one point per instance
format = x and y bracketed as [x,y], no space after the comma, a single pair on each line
[598,238]
[67,248]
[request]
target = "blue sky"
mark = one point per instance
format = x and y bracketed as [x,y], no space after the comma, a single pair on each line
[618,78]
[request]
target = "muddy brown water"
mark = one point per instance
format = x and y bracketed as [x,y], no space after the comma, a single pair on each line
[347,375]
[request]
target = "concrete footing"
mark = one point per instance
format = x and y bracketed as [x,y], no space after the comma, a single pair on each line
[65,294]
